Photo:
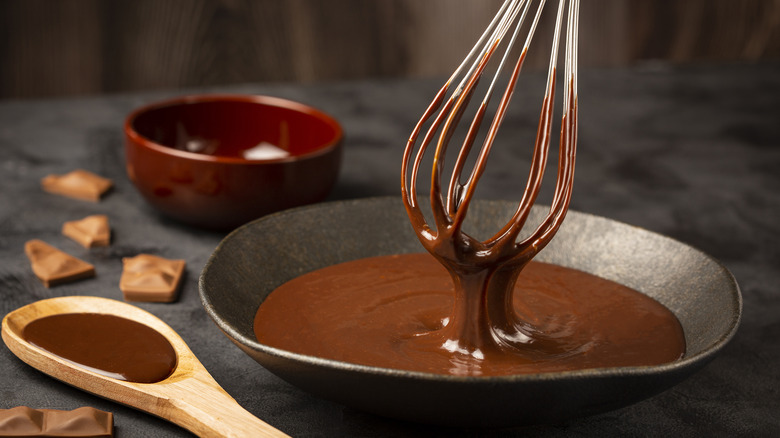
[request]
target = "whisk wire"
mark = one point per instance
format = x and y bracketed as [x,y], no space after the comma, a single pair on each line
[449,213]
[567,148]
[463,192]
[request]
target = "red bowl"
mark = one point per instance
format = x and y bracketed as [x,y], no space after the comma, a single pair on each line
[219,161]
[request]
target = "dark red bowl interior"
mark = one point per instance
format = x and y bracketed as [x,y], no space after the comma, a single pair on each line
[227,127]
[218,161]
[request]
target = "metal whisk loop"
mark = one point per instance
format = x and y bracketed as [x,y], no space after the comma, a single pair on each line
[449,212]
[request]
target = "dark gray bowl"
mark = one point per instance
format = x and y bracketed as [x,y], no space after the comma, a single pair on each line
[256,258]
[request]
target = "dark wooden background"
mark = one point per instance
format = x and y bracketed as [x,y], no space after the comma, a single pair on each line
[72,47]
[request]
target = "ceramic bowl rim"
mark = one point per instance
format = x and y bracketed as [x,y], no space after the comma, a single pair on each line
[269,101]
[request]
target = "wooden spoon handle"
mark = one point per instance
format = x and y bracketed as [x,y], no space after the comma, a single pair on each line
[208,411]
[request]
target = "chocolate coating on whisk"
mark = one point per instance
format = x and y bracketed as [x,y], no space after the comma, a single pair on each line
[484,272]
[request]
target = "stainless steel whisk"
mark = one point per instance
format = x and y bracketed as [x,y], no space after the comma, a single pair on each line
[450,212]
[485,271]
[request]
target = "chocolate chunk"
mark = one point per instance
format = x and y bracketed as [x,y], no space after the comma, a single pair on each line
[78,184]
[151,278]
[90,231]
[21,421]
[53,266]
[87,422]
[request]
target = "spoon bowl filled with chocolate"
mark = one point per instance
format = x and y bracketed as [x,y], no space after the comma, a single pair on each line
[481,313]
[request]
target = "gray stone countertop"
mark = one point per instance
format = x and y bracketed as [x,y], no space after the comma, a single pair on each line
[689,152]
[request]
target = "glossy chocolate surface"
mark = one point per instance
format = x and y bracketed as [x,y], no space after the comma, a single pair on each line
[108,345]
[392,312]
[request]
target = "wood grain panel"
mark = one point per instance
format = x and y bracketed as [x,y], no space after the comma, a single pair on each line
[50,48]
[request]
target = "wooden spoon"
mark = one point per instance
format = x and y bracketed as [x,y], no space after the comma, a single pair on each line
[189,397]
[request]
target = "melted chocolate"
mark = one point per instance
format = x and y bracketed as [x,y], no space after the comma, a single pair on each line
[108,345]
[394,312]
[485,308]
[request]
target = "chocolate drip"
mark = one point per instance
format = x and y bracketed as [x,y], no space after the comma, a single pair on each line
[483,320]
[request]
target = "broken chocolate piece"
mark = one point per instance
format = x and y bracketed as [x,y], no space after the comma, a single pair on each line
[21,421]
[53,266]
[78,184]
[151,278]
[87,422]
[90,231]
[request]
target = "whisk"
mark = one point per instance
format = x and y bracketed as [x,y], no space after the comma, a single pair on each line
[484,272]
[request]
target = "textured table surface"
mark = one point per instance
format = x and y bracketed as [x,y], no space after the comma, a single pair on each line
[692,153]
